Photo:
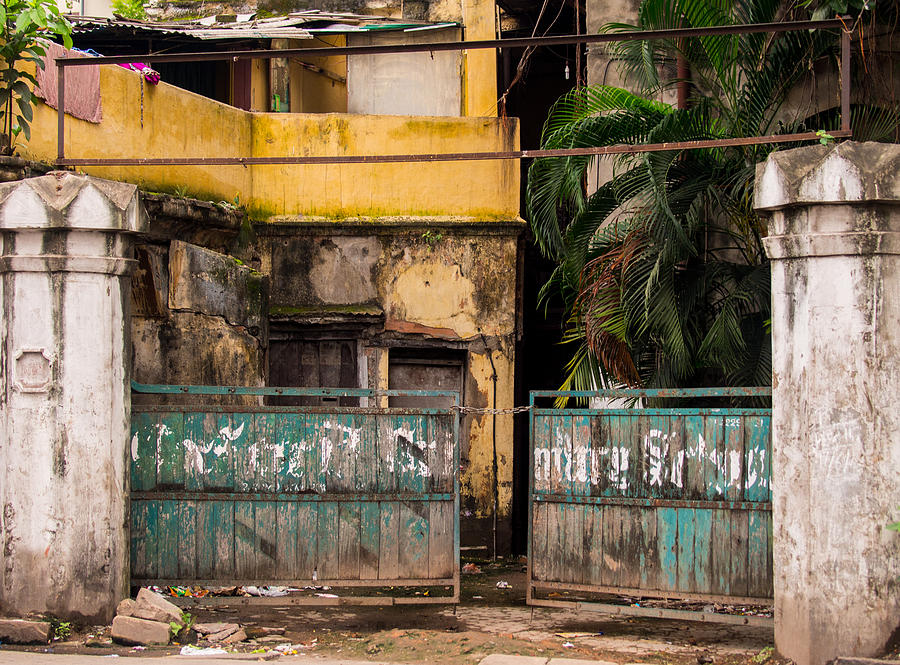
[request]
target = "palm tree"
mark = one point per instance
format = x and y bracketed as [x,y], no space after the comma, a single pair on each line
[661,269]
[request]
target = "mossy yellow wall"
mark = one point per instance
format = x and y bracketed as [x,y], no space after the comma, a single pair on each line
[481,188]
[164,121]
[153,121]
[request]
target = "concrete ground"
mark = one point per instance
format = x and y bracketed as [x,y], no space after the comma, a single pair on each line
[491,626]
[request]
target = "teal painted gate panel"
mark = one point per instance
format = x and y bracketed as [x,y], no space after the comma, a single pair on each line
[346,496]
[672,503]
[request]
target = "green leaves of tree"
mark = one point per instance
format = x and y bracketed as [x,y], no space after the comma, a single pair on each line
[661,270]
[22,22]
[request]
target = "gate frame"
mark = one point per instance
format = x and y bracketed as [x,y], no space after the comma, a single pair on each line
[364,393]
[631,610]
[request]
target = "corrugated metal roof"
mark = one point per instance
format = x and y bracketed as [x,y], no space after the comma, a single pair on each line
[262,29]
[297,25]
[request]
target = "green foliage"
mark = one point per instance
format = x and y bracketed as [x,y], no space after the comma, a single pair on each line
[62,630]
[21,23]
[661,270]
[431,238]
[894,526]
[764,655]
[59,630]
[133,9]
[187,622]
[822,9]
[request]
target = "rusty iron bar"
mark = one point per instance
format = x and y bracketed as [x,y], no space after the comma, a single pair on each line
[298,582]
[452,156]
[228,601]
[787,26]
[845,80]
[650,593]
[656,612]
[61,112]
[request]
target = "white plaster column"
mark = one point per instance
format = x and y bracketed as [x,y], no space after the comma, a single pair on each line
[834,242]
[65,247]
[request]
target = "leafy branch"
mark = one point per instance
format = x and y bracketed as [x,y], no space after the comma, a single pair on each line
[22,22]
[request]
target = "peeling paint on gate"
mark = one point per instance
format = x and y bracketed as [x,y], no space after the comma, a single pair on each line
[671,502]
[273,494]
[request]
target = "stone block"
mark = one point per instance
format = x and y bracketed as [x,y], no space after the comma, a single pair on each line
[207,282]
[213,628]
[18,631]
[125,608]
[141,632]
[227,630]
[235,637]
[153,607]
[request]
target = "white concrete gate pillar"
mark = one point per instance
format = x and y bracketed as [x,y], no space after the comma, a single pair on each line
[834,242]
[65,247]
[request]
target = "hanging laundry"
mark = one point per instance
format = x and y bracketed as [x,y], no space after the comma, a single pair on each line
[82,84]
[150,75]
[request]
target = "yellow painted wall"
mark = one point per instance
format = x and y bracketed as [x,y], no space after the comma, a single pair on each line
[480,65]
[481,188]
[164,121]
[157,121]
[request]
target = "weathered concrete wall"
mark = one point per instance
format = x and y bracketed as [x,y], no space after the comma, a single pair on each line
[200,317]
[426,84]
[834,241]
[64,393]
[434,284]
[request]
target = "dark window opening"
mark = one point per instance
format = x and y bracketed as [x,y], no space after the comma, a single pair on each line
[313,363]
[425,369]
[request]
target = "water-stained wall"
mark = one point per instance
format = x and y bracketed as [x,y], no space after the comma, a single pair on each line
[422,292]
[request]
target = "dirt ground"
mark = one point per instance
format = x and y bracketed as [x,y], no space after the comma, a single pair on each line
[488,620]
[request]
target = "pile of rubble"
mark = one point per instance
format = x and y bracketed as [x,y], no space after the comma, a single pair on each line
[150,619]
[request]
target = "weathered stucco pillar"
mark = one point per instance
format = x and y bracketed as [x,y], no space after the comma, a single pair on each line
[834,241]
[64,393]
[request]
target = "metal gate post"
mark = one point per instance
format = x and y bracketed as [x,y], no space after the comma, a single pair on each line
[65,393]
[834,241]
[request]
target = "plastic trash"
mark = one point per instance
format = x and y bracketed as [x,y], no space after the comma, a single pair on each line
[503,584]
[471,569]
[189,650]
[268,591]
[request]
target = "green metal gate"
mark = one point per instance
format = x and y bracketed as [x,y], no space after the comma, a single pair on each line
[358,497]
[671,503]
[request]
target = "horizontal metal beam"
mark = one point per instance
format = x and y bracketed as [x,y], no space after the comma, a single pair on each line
[557,40]
[297,583]
[640,411]
[452,156]
[287,497]
[656,612]
[728,391]
[286,391]
[309,601]
[327,410]
[638,502]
